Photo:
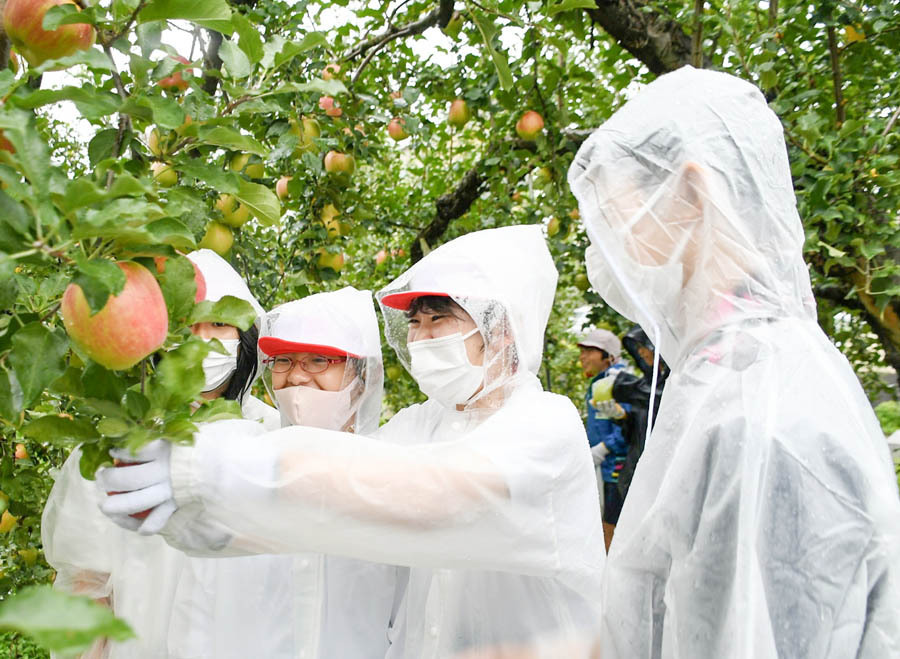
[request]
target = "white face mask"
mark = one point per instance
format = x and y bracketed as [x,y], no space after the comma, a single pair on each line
[308,406]
[217,368]
[442,369]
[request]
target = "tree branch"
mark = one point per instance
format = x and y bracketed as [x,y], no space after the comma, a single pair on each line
[652,37]
[439,16]
[212,61]
[449,206]
[697,37]
[836,77]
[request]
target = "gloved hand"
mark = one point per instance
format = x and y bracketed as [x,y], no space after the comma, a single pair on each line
[599,453]
[610,409]
[139,487]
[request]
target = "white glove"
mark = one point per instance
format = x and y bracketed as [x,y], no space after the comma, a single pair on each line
[610,409]
[599,453]
[138,488]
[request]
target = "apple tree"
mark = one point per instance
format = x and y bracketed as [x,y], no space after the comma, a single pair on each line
[321,144]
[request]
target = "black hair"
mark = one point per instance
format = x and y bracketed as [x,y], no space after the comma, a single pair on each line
[433,304]
[242,378]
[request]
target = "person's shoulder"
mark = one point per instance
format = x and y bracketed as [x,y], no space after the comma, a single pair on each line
[254,409]
[538,404]
[412,416]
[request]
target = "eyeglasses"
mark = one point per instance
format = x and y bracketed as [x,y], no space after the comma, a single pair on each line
[312,364]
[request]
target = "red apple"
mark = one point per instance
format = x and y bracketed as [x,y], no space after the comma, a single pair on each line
[397,129]
[459,114]
[326,103]
[199,279]
[175,82]
[281,188]
[381,256]
[339,163]
[218,238]
[530,125]
[129,327]
[21,452]
[23,21]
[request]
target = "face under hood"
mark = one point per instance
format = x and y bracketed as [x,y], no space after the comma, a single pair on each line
[503,278]
[687,198]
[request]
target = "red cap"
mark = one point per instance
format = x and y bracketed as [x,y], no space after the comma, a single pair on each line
[402,301]
[272,345]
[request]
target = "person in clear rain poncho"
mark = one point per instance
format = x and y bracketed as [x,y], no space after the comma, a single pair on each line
[486,491]
[763,519]
[142,578]
[322,368]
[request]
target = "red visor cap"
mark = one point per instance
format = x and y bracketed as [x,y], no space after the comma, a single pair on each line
[272,346]
[402,301]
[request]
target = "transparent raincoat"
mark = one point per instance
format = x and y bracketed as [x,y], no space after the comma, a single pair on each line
[297,605]
[139,577]
[763,519]
[493,507]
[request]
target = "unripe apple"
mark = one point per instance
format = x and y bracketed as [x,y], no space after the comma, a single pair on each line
[187,122]
[553,226]
[23,21]
[164,174]
[8,522]
[28,555]
[530,125]
[542,175]
[453,26]
[574,214]
[326,103]
[582,283]
[330,260]
[255,170]
[199,279]
[339,163]
[381,256]
[155,142]
[281,188]
[21,452]
[306,129]
[393,372]
[459,114]
[234,213]
[130,326]
[175,82]
[397,129]
[238,162]
[218,238]
[329,216]
[331,71]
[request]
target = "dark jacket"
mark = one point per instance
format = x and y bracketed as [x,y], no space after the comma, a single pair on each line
[635,391]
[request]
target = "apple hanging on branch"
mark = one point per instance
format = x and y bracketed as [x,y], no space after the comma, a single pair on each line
[459,113]
[397,129]
[218,238]
[130,326]
[327,104]
[175,82]
[529,126]
[339,163]
[23,21]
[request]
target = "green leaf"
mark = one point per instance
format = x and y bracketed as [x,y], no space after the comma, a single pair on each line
[90,101]
[229,310]
[10,396]
[216,410]
[102,144]
[169,231]
[37,358]
[136,404]
[262,202]
[230,139]
[103,384]
[250,40]
[14,214]
[93,456]
[179,288]
[166,111]
[291,49]
[212,175]
[65,15]
[98,279]
[211,14]
[331,87]
[236,61]
[180,373]
[59,430]
[487,29]
[31,149]
[569,5]
[59,621]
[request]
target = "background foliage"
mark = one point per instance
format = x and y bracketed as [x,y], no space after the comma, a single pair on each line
[78,192]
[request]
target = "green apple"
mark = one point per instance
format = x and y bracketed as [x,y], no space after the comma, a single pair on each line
[218,238]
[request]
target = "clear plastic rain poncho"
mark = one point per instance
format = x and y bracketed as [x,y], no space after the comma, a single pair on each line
[493,508]
[763,518]
[139,577]
[306,604]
